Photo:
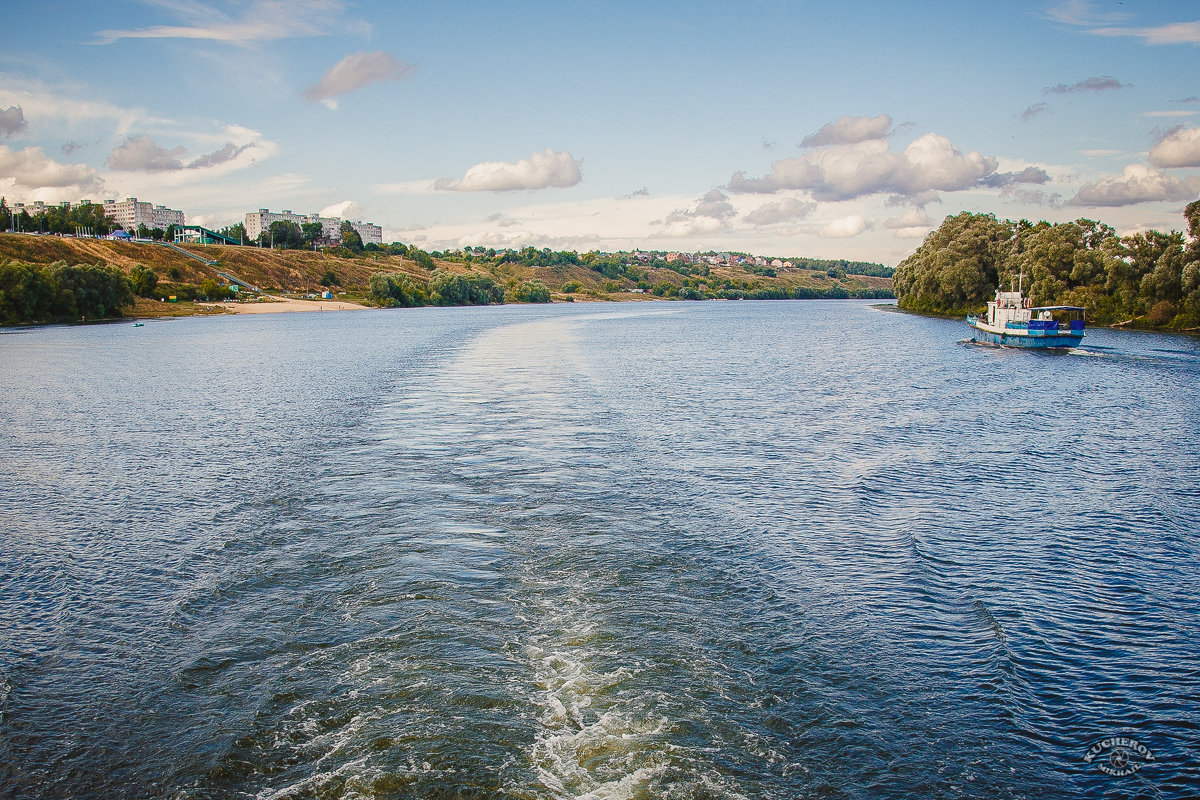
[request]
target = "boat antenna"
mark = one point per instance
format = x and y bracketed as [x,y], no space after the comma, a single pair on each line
[1021,281]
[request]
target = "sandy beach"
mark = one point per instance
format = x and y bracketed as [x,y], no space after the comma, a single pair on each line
[280,306]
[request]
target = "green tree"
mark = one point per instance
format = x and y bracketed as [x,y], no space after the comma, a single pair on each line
[449,289]
[532,292]
[312,233]
[397,290]
[351,240]
[957,267]
[285,235]
[143,280]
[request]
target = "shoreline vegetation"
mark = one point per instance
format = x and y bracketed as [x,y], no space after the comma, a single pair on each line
[39,280]
[1147,280]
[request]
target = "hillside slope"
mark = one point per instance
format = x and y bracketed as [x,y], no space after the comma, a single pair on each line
[297,271]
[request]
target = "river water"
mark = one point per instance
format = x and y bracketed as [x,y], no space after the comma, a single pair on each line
[658,550]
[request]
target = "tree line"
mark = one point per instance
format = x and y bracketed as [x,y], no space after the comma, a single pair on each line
[398,290]
[57,219]
[60,292]
[1148,279]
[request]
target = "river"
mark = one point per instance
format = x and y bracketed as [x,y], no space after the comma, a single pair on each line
[648,550]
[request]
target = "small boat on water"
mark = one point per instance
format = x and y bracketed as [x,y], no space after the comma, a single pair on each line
[1011,321]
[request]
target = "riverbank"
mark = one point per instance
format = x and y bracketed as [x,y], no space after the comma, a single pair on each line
[280,305]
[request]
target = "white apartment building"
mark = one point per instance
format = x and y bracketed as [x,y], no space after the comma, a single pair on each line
[129,214]
[331,227]
[371,234]
[261,220]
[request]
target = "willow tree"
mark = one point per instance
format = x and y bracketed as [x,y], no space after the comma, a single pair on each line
[957,267]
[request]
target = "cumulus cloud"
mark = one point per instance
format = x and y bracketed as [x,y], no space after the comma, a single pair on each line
[32,169]
[354,72]
[845,228]
[999,180]
[143,154]
[1178,147]
[929,164]
[913,224]
[71,147]
[343,210]
[1100,83]
[849,130]
[1173,33]
[785,210]
[1136,184]
[549,169]
[502,220]
[227,153]
[1035,110]
[12,121]
[1032,197]
[711,214]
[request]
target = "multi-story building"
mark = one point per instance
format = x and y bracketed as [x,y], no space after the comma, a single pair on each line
[331,227]
[130,214]
[371,234]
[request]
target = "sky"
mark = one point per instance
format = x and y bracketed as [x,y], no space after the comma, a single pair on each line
[807,129]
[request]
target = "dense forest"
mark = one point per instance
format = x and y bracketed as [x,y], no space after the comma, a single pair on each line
[1148,279]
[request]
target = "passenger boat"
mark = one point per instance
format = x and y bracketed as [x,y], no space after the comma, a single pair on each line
[1011,321]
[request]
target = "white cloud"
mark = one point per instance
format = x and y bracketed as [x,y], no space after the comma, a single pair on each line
[711,214]
[30,169]
[354,72]
[913,224]
[1035,110]
[785,210]
[73,106]
[343,210]
[1179,147]
[929,164]
[1100,83]
[143,154]
[845,228]
[549,169]
[261,21]
[1174,33]
[12,121]
[1136,184]
[1028,175]
[849,130]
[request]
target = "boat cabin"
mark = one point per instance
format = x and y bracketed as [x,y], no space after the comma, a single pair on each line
[1011,310]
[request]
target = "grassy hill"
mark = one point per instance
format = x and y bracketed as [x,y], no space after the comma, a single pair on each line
[300,272]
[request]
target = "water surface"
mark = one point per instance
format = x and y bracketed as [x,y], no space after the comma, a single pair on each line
[684,550]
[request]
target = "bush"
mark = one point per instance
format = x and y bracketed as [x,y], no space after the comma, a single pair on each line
[448,289]
[397,290]
[532,292]
[570,287]
[143,280]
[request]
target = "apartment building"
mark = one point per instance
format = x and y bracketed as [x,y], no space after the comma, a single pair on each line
[130,213]
[331,227]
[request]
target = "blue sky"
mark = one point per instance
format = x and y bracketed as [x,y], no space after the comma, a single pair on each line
[843,130]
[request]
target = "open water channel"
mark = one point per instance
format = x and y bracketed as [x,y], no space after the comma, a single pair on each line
[656,550]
